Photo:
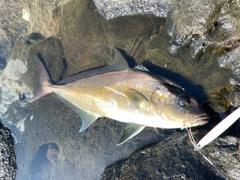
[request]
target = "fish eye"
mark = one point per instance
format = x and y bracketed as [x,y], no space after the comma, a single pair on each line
[183,101]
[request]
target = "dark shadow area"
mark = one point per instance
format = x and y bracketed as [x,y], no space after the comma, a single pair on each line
[3,63]
[36,36]
[39,160]
[196,91]
[40,57]
[63,68]
[131,61]
[46,154]
[33,38]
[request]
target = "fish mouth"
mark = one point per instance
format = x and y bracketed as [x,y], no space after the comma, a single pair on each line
[201,119]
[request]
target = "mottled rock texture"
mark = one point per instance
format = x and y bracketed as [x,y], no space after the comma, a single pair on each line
[185,41]
[175,158]
[8,166]
[202,25]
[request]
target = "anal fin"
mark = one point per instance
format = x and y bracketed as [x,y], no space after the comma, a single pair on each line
[87,117]
[130,131]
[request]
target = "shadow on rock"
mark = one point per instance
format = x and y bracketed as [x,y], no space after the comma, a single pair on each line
[41,163]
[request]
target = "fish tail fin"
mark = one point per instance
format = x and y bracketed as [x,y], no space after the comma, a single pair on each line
[44,82]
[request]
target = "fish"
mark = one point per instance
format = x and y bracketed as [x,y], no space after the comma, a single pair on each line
[133,96]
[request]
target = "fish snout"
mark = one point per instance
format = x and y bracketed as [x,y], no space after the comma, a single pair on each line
[197,120]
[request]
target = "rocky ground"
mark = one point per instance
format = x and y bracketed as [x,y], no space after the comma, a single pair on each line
[8,166]
[193,43]
[174,158]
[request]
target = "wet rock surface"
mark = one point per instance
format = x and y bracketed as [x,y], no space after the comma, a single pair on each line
[113,8]
[234,96]
[175,158]
[8,166]
[10,31]
[200,27]
[189,43]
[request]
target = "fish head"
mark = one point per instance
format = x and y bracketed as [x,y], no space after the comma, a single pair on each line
[193,111]
[178,108]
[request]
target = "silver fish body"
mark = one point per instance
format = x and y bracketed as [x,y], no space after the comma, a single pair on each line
[126,95]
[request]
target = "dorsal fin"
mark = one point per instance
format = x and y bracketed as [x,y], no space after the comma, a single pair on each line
[118,64]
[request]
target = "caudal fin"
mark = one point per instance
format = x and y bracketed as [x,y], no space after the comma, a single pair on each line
[44,82]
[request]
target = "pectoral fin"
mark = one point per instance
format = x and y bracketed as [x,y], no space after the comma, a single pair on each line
[136,97]
[131,131]
[87,117]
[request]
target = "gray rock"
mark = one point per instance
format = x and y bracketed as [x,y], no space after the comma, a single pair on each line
[114,8]
[234,96]
[73,37]
[8,166]
[229,59]
[10,31]
[175,158]
[202,26]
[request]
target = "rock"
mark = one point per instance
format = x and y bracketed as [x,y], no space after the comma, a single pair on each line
[12,25]
[200,26]
[8,166]
[52,152]
[175,158]
[70,36]
[228,59]
[114,8]
[234,96]
[219,100]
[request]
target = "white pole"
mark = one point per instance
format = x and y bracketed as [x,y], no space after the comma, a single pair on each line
[219,129]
